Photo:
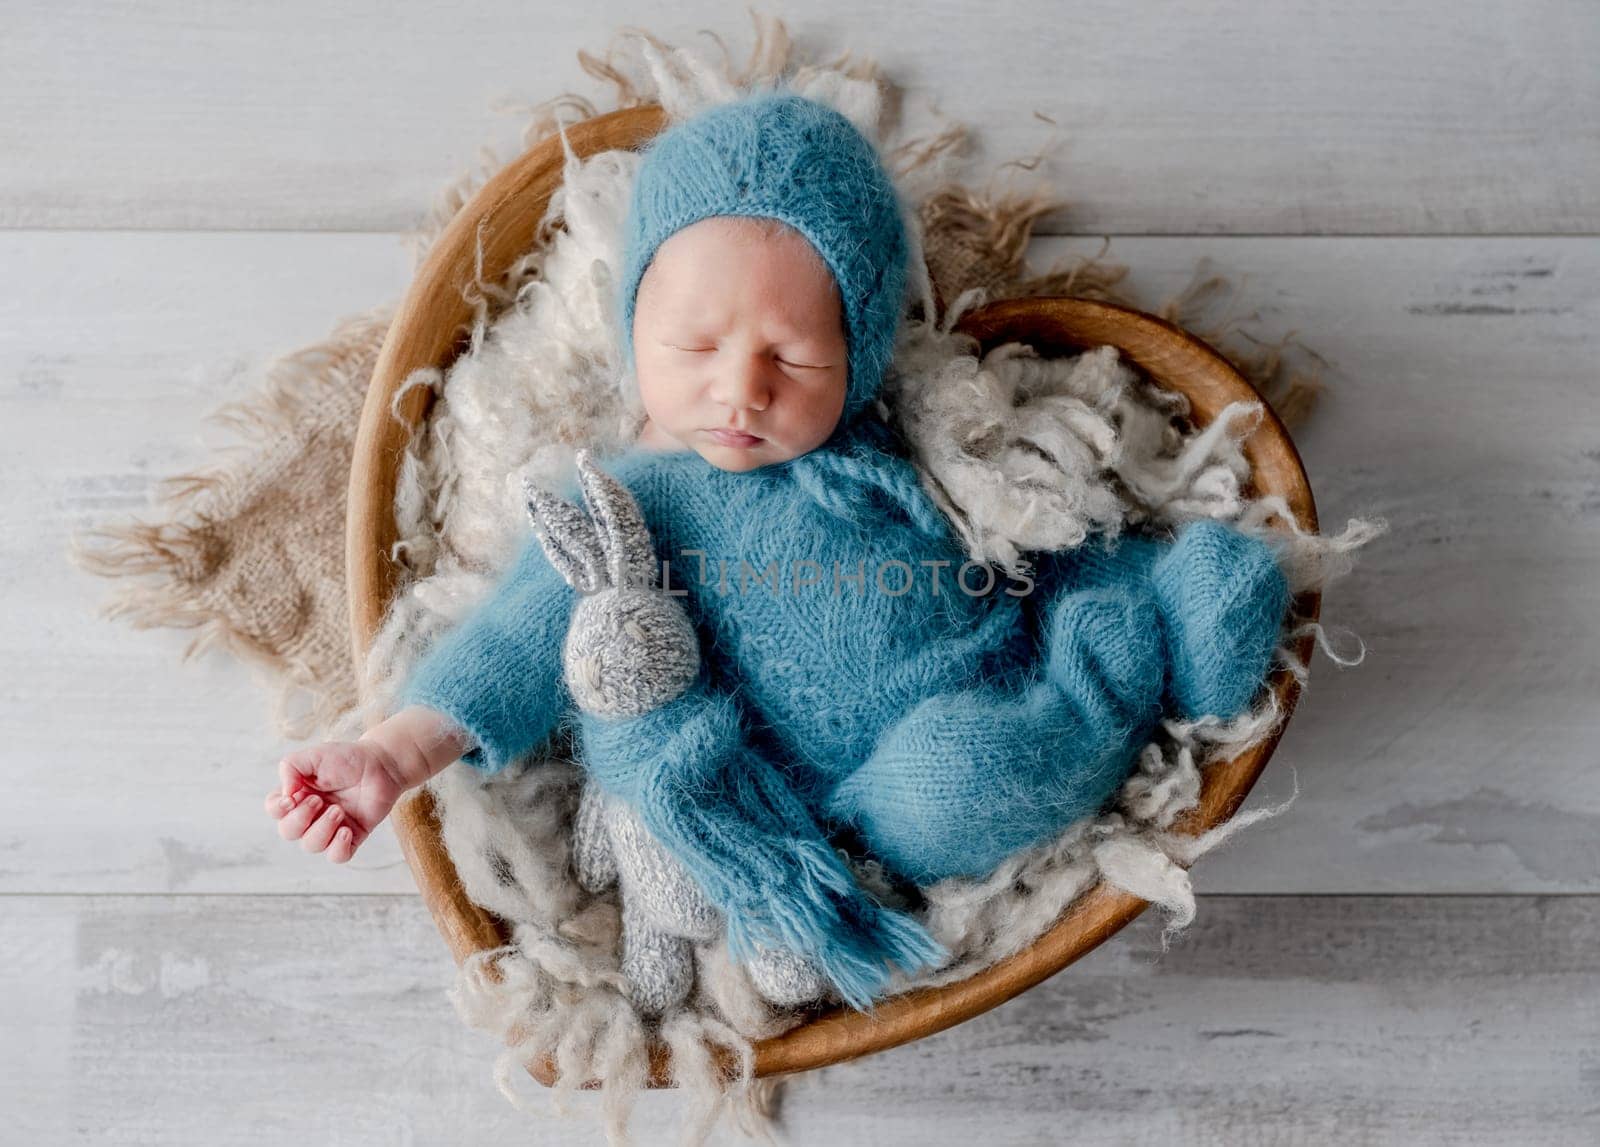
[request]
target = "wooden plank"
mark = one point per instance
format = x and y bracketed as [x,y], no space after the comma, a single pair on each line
[1463,406]
[226,1019]
[127,769]
[1221,117]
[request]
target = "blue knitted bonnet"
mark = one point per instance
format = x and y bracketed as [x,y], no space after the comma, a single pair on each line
[783,156]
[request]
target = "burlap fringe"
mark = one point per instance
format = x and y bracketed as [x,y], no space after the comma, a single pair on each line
[291,425]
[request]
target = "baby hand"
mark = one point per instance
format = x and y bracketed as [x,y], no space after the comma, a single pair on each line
[333,796]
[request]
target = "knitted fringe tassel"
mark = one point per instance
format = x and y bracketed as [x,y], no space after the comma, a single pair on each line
[853,957]
[759,857]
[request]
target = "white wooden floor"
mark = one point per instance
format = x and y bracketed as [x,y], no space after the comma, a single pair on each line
[1410,955]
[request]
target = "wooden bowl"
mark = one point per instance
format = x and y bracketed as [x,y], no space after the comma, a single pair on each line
[428,331]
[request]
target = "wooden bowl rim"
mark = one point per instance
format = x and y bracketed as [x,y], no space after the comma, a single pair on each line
[504,216]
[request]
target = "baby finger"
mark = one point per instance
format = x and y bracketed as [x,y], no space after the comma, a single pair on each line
[294,823]
[343,846]
[298,770]
[278,804]
[319,834]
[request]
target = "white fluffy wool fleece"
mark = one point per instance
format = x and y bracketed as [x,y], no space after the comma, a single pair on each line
[1022,452]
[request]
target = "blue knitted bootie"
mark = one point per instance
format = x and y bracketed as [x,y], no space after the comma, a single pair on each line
[1103,641]
[1223,598]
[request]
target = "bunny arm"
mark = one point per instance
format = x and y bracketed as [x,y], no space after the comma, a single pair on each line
[732,820]
[498,674]
[611,845]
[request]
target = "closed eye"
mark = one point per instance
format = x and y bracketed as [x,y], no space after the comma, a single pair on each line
[784,361]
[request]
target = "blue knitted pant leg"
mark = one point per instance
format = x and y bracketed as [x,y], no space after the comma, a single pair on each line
[968,777]
[1129,629]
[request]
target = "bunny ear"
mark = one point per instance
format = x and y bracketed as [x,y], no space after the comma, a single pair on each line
[568,538]
[629,551]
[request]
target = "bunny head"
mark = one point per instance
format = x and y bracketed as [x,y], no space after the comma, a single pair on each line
[630,647]
[612,549]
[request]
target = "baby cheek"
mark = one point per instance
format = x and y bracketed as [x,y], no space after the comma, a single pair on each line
[677,395]
[825,402]
[661,388]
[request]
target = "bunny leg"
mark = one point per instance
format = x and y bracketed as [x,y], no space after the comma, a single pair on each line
[659,968]
[656,885]
[593,858]
[785,978]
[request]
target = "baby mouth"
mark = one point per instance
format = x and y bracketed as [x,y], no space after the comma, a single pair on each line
[728,437]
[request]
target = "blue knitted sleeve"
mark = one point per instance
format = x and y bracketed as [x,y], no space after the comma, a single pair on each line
[498,674]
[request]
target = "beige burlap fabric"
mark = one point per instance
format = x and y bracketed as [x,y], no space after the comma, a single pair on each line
[250,550]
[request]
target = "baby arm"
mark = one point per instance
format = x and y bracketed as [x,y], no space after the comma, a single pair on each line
[498,675]
[488,692]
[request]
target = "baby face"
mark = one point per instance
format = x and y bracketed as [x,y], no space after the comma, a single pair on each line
[739,343]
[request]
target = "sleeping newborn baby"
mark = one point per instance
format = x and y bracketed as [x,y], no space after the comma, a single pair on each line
[768,639]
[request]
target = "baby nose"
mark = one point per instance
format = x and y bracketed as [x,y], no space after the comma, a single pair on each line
[744,382]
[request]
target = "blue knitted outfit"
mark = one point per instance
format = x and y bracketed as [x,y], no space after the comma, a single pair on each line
[857,672]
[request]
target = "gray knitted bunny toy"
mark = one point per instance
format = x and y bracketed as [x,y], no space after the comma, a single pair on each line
[629,649]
